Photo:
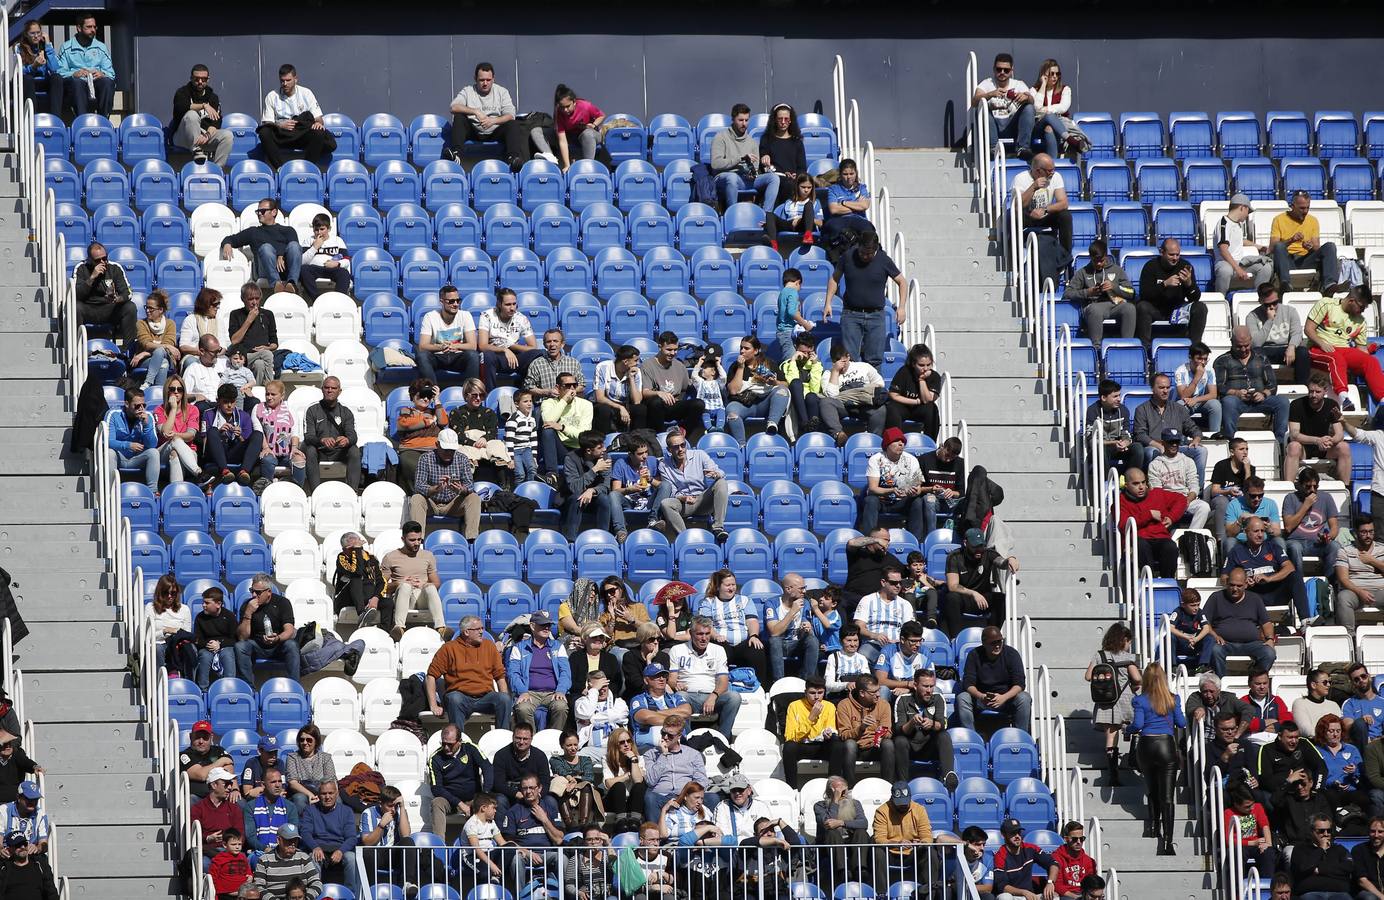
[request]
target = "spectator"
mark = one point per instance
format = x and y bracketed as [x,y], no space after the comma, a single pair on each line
[755,389]
[515,762]
[172,626]
[358,582]
[1239,259]
[202,756]
[466,674]
[103,294]
[442,486]
[256,768]
[214,635]
[735,623]
[1246,383]
[1052,106]
[651,709]
[686,817]
[894,484]
[1171,471]
[944,481]
[854,389]
[1316,429]
[1042,197]
[993,678]
[253,331]
[1295,243]
[789,625]
[178,423]
[1153,512]
[1111,417]
[781,152]
[624,782]
[505,339]
[1209,696]
[565,418]
[920,589]
[281,442]
[1321,868]
[416,427]
[38,63]
[541,379]
[636,479]
[880,616]
[810,729]
[738,816]
[598,711]
[1310,522]
[1156,714]
[287,864]
[197,120]
[848,201]
[840,820]
[1268,710]
[1197,387]
[619,391]
[307,768]
[1308,710]
[899,826]
[669,767]
[23,815]
[1014,863]
[385,826]
[594,643]
[325,258]
[865,726]
[974,587]
[1227,484]
[920,726]
[1246,819]
[1336,335]
[1358,574]
[651,639]
[274,247]
[24,875]
[521,438]
[483,111]
[292,122]
[1112,717]
[1158,415]
[266,631]
[1166,285]
[202,321]
[666,381]
[576,121]
[329,435]
[447,339]
[1188,628]
[1009,105]
[412,576]
[799,214]
[701,673]
[1270,574]
[217,811]
[457,773]
[1252,503]
[1344,768]
[156,341]
[866,558]
[914,391]
[330,832]
[692,486]
[1239,624]
[734,161]
[1106,291]
[1368,858]
[846,663]
[586,484]
[131,435]
[204,374]
[540,675]
[1074,864]
[87,69]
[976,861]
[1374,439]
[864,325]
[268,810]
[478,427]
[1276,331]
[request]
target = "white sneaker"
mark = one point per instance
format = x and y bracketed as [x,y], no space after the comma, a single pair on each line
[550,157]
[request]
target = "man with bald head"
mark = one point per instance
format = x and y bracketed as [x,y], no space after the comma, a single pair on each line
[1246,382]
[329,435]
[1042,196]
[1269,572]
[1239,623]
[790,628]
[1165,286]
[1153,512]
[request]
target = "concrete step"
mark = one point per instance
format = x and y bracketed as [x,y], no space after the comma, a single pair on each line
[1168,883]
[113,851]
[1059,580]
[64,604]
[96,697]
[72,647]
[23,357]
[109,799]
[986,310]
[35,402]
[72,746]
[23,498]
[141,887]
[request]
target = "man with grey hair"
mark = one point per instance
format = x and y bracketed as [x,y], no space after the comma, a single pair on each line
[1210,701]
[700,671]
[266,631]
[359,582]
[468,675]
[249,891]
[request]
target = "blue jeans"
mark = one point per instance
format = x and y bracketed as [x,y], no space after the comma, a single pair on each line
[204,659]
[1198,455]
[1325,550]
[1054,133]
[267,464]
[525,468]
[1018,126]
[247,650]
[1275,407]
[1213,410]
[863,335]
[156,368]
[714,419]
[1214,655]
[727,706]
[913,509]
[552,452]
[1021,707]
[149,459]
[267,264]
[608,510]
[932,505]
[772,408]
[784,646]
[460,706]
[466,363]
[1323,258]
[730,184]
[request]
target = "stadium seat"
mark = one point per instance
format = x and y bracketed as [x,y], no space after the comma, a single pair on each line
[185,702]
[1192,135]
[202,183]
[797,550]
[598,555]
[630,317]
[978,803]
[767,457]
[183,507]
[588,181]
[859,448]
[698,226]
[833,506]
[1141,133]
[232,704]
[361,227]
[664,270]
[471,269]
[1031,802]
[541,182]
[602,225]
[383,139]
[93,138]
[625,138]
[727,316]
[1238,134]
[245,554]
[679,313]
[491,183]
[547,555]
[749,554]
[348,182]
[498,556]
[444,183]
[1351,179]
[507,599]
[176,270]
[1109,180]
[670,139]
[397,182]
[1174,220]
[553,227]
[52,135]
[1126,225]
[300,181]
[971,752]
[1304,175]
[408,226]
[697,554]
[636,181]
[1158,180]
[283,704]
[616,270]
[1013,755]
[935,799]
[650,226]
[648,555]
[1290,134]
[1337,133]
[105,181]
[428,135]
[60,177]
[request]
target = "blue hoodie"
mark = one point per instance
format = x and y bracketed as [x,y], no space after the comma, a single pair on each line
[123,432]
[73,56]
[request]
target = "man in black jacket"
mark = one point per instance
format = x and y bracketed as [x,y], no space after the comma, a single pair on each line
[1320,866]
[103,295]
[278,255]
[197,119]
[25,877]
[920,726]
[1167,283]
[254,333]
[214,633]
[586,485]
[457,772]
[1288,759]
[329,434]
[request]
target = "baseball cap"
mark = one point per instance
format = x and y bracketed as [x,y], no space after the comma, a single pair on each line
[269,742]
[900,796]
[974,538]
[893,434]
[29,791]
[540,618]
[736,782]
[654,669]
[288,831]
[220,773]
[204,725]
[16,839]
[1239,200]
[1011,826]
[447,440]
[1171,436]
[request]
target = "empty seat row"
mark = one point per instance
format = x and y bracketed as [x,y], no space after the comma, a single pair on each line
[1234,134]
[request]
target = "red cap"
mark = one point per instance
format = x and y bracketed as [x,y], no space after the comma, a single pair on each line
[203,725]
[893,434]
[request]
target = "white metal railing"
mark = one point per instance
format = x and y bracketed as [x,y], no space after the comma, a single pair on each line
[1094,834]
[1112,884]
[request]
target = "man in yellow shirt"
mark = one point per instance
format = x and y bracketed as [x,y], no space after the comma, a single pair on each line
[898,826]
[810,730]
[1335,331]
[1295,242]
[564,418]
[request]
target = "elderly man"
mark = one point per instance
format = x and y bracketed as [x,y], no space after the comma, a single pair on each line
[541,379]
[1166,285]
[442,486]
[1295,243]
[1337,338]
[483,111]
[1269,568]
[331,834]
[1209,703]
[540,674]
[197,119]
[254,333]
[412,577]
[1239,259]
[893,484]
[993,677]
[466,674]
[669,766]
[1359,575]
[1042,197]
[217,811]
[1239,624]
[292,122]
[658,704]
[789,623]
[1105,289]
[285,864]
[692,486]
[329,434]
[457,772]
[666,382]
[700,671]
[201,757]
[1246,382]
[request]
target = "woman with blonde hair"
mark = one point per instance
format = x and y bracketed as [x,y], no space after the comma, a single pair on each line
[624,778]
[1156,716]
[177,422]
[1052,107]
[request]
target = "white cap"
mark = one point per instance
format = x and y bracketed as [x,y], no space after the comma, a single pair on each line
[220,773]
[447,440]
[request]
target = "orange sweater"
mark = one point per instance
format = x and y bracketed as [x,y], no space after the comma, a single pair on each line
[850,721]
[471,670]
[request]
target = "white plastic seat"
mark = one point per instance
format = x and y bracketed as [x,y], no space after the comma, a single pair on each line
[249,219]
[416,650]
[225,275]
[349,361]
[1328,644]
[383,506]
[334,507]
[211,223]
[335,317]
[760,753]
[754,708]
[1366,218]
[1217,334]
[299,399]
[381,704]
[368,410]
[296,555]
[493,740]
[284,507]
[1369,645]
[782,800]
[399,756]
[390,539]
[292,318]
[298,380]
[311,602]
[871,793]
[335,704]
[548,741]
[301,216]
[381,656]
[787,685]
[347,747]
[411,799]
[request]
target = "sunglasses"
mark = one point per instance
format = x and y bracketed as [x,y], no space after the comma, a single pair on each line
[260,212]
[1321,830]
[1003,71]
[173,390]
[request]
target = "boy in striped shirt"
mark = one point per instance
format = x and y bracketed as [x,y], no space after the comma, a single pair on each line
[521,438]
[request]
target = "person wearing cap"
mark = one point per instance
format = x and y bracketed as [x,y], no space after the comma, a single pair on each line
[23,875]
[789,624]
[736,815]
[700,671]
[1014,862]
[1245,377]
[899,825]
[1171,471]
[330,832]
[585,485]
[669,766]
[286,863]
[1160,413]
[539,674]
[411,581]
[201,756]
[1153,513]
[974,586]
[866,725]
[658,703]
[1104,288]
[217,811]
[1239,259]
[692,486]
[920,726]
[893,484]
[267,631]
[468,676]
[882,614]
[993,679]
[23,816]
[809,730]
[253,772]
[442,486]
[267,810]
[593,655]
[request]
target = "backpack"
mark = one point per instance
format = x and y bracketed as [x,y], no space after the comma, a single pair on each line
[1198,553]
[1340,690]
[1105,682]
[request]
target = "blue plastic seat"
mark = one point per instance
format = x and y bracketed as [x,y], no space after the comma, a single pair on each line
[1100,128]
[251,181]
[105,181]
[626,142]
[697,554]
[1238,134]
[713,269]
[115,225]
[60,177]
[679,313]
[698,226]
[553,226]
[978,803]
[745,218]
[408,226]
[165,226]
[455,226]
[616,270]
[235,507]
[52,135]
[428,135]
[444,182]
[541,182]
[93,137]
[650,226]
[859,448]
[138,504]
[833,506]
[670,139]
[1031,802]
[1304,175]
[1337,132]
[630,317]
[1158,180]
[244,137]
[749,554]
[768,456]
[590,351]
[242,745]
[1255,176]
[453,552]
[508,599]
[360,226]
[971,752]
[504,226]
[1290,134]
[547,555]
[195,555]
[471,270]
[461,597]
[341,892]
[1192,135]
[784,506]
[519,269]
[185,702]
[397,182]
[479,892]
[245,554]
[1142,135]
[834,551]
[602,226]
[588,181]
[184,507]
[567,270]
[725,452]
[598,555]
[1205,179]
[854,890]
[1352,179]
[665,270]
[728,316]
[491,183]
[581,316]
[374,271]
[283,704]
[761,269]
[677,184]
[202,183]
[300,181]
[1013,756]
[348,183]
[933,797]
[648,555]
[384,139]
[1126,225]
[149,553]
[231,704]
[797,550]
[1109,180]
[819,137]
[636,181]
[347,134]
[498,556]
[421,270]
[1174,220]
[817,458]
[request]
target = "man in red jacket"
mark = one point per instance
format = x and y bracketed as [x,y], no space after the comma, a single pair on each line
[1154,512]
[1073,862]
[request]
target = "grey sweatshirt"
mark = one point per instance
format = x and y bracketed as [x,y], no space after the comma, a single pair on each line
[727,149]
[1284,330]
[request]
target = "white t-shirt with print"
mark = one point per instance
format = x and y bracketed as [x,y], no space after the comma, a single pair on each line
[616,388]
[504,335]
[484,832]
[441,331]
[1002,107]
[900,475]
[1043,196]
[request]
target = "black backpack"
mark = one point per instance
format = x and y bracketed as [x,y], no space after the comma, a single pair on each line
[1105,681]
[1198,553]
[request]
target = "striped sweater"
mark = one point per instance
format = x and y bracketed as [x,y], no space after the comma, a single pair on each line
[273,873]
[521,431]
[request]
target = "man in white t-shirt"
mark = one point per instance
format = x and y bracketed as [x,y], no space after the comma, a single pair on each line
[893,484]
[700,671]
[1010,105]
[1196,386]
[505,339]
[483,111]
[292,121]
[203,377]
[1238,258]
[447,339]
[1042,195]
[619,392]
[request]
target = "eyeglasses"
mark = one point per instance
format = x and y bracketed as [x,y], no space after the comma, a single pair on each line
[672,734]
[566,384]
[98,259]
[896,582]
[473,394]
[1003,70]
[999,643]
[1077,839]
[1259,496]
[306,740]
[172,391]
[448,301]
[201,78]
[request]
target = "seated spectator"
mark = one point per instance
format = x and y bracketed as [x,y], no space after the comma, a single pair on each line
[1009,104]
[411,577]
[156,346]
[755,391]
[899,826]
[217,811]
[1363,712]
[515,762]
[810,730]
[287,866]
[1344,763]
[1308,710]
[1276,331]
[1248,384]
[993,679]
[585,605]
[586,484]
[478,427]
[1288,760]
[416,427]
[944,481]
[735,623]
[1167,285]
[1321,868]
[1268,710]
[467,676]
[539,674]
[840,820]
[853,389]
[1226,484]
[23,816]
[255,771]
[131,435]
[700,672]
[799,215]
[678,602]
[1310,522]
[893,484]
[651,709]
[846,663]
[325,258]
[738,815]
[686,817]
[447,339]
[576,121]
[1105,291]
[442,486]
[1245,817]
[1171,471]
[1210,701]
[974,587]
[782,152]
[457,773]
[172,626]
[913,393]
[1252,504]
[1295,243]
[709,386]
[789,626]
[920,726]
[1239,624]
[204,375]
[266,631]
[329,435]
[214,636]
[1368,858]
[1111,417]
[636,479]
[202,756]
[483,111]
[1074,864]
[281,442]
[619,392]
[268,809]
[1153,512]
[1158,415]
[330,833]
[848,201]
[1042,197]
[599,711]
[669,767]
[1197,387]
[1189,629]
[292,122]
[865,726]
[103,296]
[505,339]
[274,248]
[1052,105]
[253,331]
[735,160]
[1337,339]
[692,486]
[564,419]
[38,66]
[591,652]
[202,321]
[307,768]
[1239,259]
[1271,575]
[666,382]
[977,863]
[1360,584]
[358,582]
[178,423]
[87,70]
[649,650]
[386,837]
[624,783]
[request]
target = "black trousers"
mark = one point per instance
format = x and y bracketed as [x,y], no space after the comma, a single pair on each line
[1148,312]
[954,606]
[120,314]
[687,412]
[512,134]
[280,146]
[896,414]
[1061,220]
[795,752]
[1158,762]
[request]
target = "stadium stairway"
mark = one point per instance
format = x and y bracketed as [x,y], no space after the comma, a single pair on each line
[1064,588]
[111,834]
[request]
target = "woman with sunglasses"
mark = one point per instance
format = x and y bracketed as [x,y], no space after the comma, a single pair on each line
[158,346]
[624,779]
[173,627]
[782,152]
[1156,716]
[478,426]
[1052,104]
[649,650]
[307,767]
[202,320]
[623,615]
[177,422]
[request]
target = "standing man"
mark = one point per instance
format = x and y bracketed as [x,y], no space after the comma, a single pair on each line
[1296,243]
[86,69]
[483,111]
[412,576]
[197,120]
[1009,105]
[1246,382]
[1166,285]
[1105,289]
[274,248]
[329,433]
[665,384]
[103,295]
[864,325]
[1239,259]
[254,333]
[292,122]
